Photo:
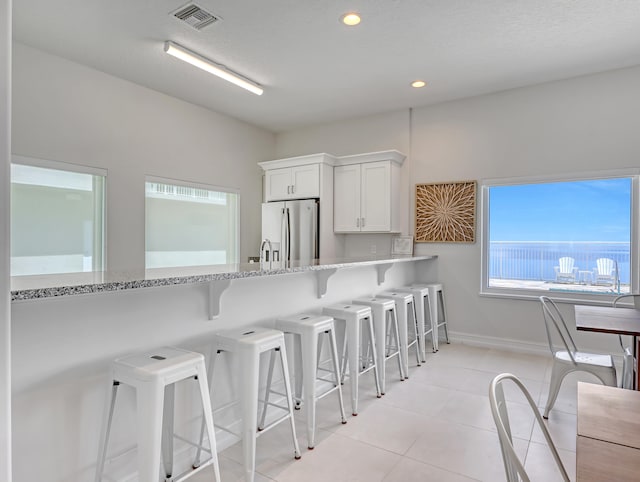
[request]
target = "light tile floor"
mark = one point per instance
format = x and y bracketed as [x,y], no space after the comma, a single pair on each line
[435,426]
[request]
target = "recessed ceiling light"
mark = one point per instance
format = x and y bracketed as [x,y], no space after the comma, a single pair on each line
[351,19]
[418,83]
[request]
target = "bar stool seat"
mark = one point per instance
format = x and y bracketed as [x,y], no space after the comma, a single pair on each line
[354,316]
[385,323]
[248,343]
[406,312]
[307,330]
[153,375]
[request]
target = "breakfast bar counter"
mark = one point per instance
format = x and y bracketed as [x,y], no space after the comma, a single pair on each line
[67,330]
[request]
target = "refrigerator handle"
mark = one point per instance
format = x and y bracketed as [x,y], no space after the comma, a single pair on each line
[288,236]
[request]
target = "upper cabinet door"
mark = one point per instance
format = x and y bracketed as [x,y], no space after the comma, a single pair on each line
[375,208]
[298,182]
[305,181]
[278,184]
[346,198]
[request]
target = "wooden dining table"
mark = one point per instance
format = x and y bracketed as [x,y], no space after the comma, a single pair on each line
[605,319]
[608,434]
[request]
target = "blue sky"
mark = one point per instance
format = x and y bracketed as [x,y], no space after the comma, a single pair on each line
[597,210]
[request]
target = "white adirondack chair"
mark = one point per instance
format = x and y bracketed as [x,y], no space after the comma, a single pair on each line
[606,272]
[566,272]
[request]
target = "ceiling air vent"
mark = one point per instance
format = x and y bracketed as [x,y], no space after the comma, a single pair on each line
[195,16]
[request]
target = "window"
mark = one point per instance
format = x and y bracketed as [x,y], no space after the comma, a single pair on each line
[57,217]
[573,238]
[190,225]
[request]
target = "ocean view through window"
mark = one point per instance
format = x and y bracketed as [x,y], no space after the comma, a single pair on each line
[566,237]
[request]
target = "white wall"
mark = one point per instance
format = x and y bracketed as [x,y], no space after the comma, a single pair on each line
[5,315]
[580,124]
[68,112]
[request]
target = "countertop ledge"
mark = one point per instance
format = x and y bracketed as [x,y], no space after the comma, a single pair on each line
[24,288]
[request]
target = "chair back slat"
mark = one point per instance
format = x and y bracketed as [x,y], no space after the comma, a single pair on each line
[556,327]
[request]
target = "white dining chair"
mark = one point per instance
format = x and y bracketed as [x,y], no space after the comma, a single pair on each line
[569,359]
[513,466]
[628,358]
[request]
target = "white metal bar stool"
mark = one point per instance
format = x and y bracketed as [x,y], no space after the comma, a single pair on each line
[354,316]
[406,312]
[153,375]
[247,344]
[308,331]
[438,311]
[385,325]
[422,304]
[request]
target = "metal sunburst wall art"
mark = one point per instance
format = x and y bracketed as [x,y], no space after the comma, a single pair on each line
[446,212]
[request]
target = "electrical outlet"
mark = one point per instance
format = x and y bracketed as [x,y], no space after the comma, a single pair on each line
[373,249]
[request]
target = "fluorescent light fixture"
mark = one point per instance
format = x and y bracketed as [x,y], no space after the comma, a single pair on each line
[418,83]
[207,65]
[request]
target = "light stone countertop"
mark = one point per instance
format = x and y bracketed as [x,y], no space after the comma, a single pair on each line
[67,284]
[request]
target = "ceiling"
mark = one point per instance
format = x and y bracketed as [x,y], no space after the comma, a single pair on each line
[316,70]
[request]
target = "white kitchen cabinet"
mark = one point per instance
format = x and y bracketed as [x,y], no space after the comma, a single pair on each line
[366,197]
[297,182]
[346,198]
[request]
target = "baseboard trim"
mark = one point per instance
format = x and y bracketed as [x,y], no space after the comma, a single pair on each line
[509,344]
[499,343]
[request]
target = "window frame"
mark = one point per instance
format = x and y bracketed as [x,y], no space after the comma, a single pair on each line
[570,297]
[193,185]
[100,255]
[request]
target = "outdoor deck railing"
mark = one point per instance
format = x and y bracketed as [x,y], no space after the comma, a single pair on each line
[525,260]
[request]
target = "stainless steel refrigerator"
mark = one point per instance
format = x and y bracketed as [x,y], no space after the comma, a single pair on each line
[289,232]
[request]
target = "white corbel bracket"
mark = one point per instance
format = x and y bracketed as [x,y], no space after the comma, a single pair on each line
[322,277]
[216,288]
[382,271]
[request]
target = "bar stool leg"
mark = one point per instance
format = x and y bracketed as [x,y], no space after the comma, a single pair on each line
[416,331]
[208,417]
[380,328]
[309,345]
[212,358]
[372,343]
[149,400]
[433,314]
[336,372]
[419,311]
[249,371]
[267,391]
[395,330]
[297,373]
[287,389]
[444,316]
[167,429]
[353,351]
[106,428]
[403,314]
